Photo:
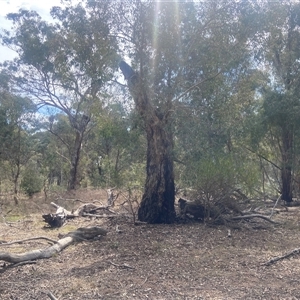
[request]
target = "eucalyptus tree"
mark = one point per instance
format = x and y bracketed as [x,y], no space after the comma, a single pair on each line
[182,54]
[115,149]
[278,40]
[16,146]
[64,64]
[154,31]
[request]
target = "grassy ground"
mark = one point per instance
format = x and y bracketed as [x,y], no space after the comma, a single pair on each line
[179,261]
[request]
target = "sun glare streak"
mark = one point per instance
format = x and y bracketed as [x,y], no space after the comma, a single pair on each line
[155,29]
[178,24]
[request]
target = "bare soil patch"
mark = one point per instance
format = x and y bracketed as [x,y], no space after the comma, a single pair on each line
[178,261]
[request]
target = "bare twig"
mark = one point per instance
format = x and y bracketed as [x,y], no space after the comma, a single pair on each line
[144,281]
[196,85]
[130,201]
[28,262]
[263,157]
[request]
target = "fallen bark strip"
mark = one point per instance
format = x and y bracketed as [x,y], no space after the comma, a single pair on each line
[273,260]
[78,235]
[50,295]
[30,239]
[253,216]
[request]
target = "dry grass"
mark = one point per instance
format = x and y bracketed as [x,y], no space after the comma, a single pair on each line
[179,261]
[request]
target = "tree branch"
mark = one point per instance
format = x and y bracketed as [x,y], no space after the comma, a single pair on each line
[197,84]
[261,156]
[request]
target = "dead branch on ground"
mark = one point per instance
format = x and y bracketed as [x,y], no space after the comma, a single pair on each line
[124,266]
[252,216]
[273,260]
[29,239]
[89,209]
[81,234]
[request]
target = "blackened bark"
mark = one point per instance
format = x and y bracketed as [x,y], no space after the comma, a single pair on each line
[157,205]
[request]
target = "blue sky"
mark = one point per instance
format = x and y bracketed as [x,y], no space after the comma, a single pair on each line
[9,6]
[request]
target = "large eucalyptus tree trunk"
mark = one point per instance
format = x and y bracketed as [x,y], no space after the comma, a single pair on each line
[157,205]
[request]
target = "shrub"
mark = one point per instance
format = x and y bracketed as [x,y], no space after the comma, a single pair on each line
[31,182]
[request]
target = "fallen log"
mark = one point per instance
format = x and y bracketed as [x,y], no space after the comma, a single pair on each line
[81,234]
[62,214]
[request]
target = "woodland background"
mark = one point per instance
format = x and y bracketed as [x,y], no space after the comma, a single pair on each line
[225,73]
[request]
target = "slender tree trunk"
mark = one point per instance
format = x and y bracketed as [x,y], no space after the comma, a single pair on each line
[287,132]
[16,179]
[286,171]
[80,126]
[16,173]
[75,162]
[157,205]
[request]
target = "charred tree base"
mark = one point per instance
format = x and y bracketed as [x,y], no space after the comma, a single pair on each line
[151,212]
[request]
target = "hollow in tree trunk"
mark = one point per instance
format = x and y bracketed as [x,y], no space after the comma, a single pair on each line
[157,205]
